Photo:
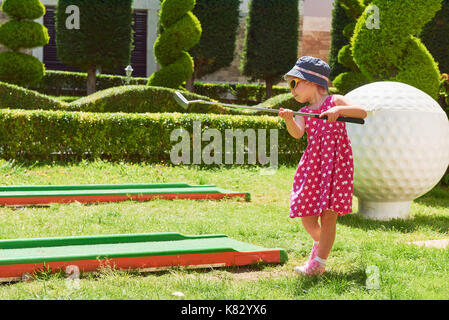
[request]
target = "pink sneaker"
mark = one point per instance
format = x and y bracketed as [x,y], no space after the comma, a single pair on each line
[311,268]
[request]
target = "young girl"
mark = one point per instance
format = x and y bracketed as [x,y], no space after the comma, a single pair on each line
[323,182]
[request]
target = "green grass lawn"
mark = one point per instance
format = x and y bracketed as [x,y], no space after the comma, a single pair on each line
[405,271]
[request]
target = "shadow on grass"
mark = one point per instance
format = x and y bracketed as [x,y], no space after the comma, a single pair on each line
[339,281]
[438,197]
[439,224]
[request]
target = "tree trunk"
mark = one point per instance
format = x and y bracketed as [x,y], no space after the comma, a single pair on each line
[190,82]
[269,87]
[91,80]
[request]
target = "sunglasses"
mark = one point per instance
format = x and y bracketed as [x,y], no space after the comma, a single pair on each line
[293,83]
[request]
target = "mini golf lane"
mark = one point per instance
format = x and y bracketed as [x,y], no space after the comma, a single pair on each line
[144,252]
[34,195]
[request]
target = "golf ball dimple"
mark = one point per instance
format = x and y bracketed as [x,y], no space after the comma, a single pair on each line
[402,151]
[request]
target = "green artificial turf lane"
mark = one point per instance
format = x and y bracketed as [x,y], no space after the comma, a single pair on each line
[49,253]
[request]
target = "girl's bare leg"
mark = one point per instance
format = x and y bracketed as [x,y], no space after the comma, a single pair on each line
[328,231]
[312,227]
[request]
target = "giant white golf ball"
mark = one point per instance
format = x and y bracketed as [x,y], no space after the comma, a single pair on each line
[401,152]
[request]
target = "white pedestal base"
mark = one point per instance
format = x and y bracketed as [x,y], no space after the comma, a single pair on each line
[384,210]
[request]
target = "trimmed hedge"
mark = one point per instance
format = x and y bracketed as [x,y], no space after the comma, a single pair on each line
[241,93]
[56,135]
[73,84]
[286,101]
[142,99]
[16,97]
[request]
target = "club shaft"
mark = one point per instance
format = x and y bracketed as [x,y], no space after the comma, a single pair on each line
[296,113]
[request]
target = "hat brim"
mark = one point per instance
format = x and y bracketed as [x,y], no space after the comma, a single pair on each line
[308,77]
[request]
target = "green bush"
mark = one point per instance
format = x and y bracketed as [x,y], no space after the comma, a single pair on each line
[15,97]
[345,58]
[23,9]
[16,34]
[392,52]
[20,68]
[348,81]
[181,31]
[443,98]
[50,135]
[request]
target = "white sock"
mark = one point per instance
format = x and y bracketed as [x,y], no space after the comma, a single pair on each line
[321,261]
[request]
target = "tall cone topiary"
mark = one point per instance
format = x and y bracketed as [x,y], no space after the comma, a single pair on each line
[181,31]
[392,52]
[352,78]
[20,32]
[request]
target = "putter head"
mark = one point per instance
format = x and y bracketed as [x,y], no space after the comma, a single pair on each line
[181,100]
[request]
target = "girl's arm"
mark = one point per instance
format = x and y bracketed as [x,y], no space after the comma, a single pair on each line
[295,128]
[345,109]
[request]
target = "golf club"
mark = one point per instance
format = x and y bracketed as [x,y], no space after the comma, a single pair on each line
[184,103]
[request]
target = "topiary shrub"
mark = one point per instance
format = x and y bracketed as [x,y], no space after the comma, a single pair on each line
[339,37]
[22,33]
[16,34]
[181,31]
[20,68]
[23,9]
[348,81]
[392,52]
[351,78]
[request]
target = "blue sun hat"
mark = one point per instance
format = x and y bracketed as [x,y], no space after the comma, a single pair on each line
[311,69]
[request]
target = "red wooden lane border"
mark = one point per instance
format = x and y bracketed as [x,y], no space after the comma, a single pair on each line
[15,271]
[115,198]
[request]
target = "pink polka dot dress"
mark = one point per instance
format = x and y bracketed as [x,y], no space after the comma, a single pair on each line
[324,177]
